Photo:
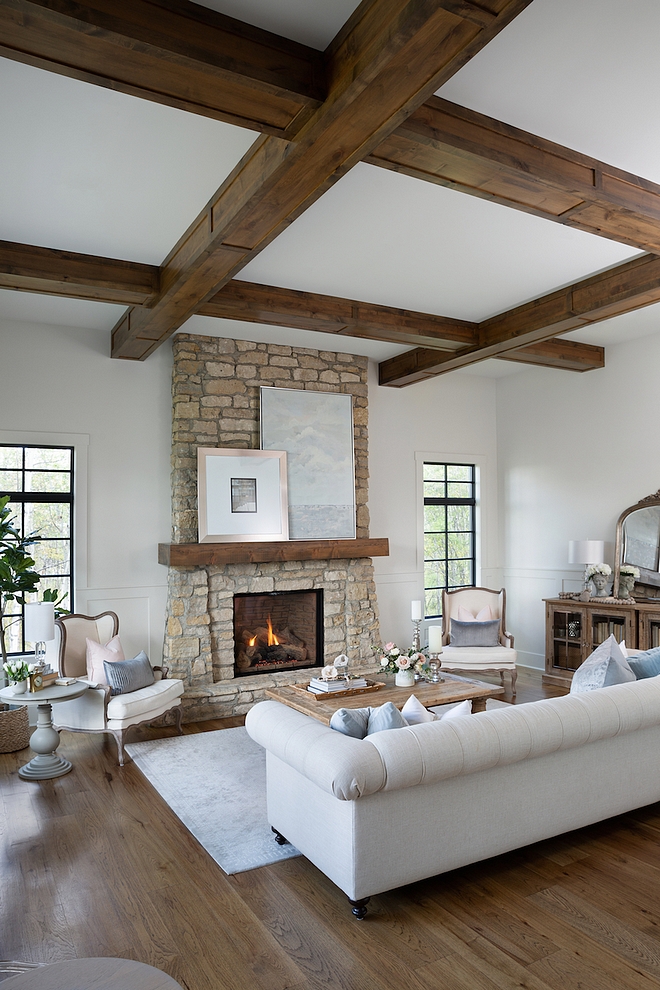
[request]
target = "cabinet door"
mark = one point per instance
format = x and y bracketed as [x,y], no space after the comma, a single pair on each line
[605,623]
[565,638]
[649,630]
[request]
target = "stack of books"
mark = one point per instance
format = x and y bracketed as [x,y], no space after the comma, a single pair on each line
[319,686]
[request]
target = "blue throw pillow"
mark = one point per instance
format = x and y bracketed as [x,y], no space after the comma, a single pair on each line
[125,676]
[387,716]
[645,664]
[351,721]
[606,665]
[475,633]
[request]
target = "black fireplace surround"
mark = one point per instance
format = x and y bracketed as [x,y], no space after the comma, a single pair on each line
[277,630]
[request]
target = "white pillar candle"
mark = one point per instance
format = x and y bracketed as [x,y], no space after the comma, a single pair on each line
[416,611]
[435,639]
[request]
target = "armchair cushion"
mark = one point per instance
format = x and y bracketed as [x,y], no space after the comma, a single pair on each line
[127,676]
[96,656]
[475,633]
[146,703]
[483,615]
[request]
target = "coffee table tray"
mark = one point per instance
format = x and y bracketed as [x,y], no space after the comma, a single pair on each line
[324,695]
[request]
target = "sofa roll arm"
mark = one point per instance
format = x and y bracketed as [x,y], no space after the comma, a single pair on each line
[346,767]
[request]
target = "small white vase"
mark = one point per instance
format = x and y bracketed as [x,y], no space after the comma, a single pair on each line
[404,678]
[19,687]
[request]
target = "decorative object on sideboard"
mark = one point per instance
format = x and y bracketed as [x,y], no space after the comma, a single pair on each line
[586,552]
[316,431]
[599,574]
[241,495]
[628,574]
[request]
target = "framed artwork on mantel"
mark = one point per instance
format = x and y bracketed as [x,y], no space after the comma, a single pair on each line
[316,431]
[241,495]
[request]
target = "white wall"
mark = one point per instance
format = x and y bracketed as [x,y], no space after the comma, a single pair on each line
[62,380]
[574,451]
[453,416]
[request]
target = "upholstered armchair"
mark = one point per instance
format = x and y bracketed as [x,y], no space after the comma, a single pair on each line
[98,710]
[498,657]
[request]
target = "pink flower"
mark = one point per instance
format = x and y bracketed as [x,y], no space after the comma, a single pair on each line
[388,647]
[402,662]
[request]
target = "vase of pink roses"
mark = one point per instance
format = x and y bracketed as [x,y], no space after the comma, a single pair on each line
[404,664]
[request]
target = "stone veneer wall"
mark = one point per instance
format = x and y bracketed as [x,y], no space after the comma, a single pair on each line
[216,403]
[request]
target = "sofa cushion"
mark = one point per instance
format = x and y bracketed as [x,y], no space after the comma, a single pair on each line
[126,676]
[139,704]
[604,667]
[96,656]
[475,633]
[645,664]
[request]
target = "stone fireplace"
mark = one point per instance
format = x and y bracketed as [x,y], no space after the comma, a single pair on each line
[216,403]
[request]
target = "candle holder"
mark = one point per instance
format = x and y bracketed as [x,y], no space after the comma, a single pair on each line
[416,640]
[434,666]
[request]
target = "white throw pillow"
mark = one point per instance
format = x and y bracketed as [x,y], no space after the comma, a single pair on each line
[483,615]
[606,665]
[414,712]
[96,654]
[453,711]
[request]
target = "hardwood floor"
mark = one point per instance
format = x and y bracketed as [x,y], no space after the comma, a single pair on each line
[95,864]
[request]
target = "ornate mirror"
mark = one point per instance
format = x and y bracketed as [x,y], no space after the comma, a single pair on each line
[638,544]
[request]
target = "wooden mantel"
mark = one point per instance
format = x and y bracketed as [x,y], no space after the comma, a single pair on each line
[203,554]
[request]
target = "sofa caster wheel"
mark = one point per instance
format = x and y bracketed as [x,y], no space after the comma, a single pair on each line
[359,907]
[279,838]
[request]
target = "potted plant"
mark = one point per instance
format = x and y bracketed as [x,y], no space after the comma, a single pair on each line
[404,664]
[17,574]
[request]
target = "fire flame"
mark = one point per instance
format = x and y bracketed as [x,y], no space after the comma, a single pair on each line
[272,639]
[252,641]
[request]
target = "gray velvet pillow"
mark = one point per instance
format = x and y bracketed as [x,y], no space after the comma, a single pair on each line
[475,633]
[387,716]
[351,721]
[125,676]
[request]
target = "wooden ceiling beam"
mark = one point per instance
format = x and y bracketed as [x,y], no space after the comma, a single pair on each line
[78,276]
[618,290]
[172,52]
[389,57]
[279,307]
[469,152]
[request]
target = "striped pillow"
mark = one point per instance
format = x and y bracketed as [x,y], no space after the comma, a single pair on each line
[125,676]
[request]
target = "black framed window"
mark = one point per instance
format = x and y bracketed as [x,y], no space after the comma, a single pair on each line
[449,531]
[39,482]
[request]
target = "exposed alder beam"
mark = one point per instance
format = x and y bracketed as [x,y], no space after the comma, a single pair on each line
[467,151]
[78,276]
[567,355]
[618,290]
[330,314]
[172,52]
[389,57]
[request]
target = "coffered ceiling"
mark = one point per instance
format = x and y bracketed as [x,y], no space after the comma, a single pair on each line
[440,229]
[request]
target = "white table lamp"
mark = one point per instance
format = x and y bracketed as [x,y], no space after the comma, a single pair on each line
[586,552]
[39,627]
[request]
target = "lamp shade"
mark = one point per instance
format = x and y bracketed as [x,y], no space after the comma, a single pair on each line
[586,551]
[39,622]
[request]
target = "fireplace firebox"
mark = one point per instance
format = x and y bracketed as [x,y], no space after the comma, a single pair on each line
[278,630]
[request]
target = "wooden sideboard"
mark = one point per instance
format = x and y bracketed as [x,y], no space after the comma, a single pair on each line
[574,629]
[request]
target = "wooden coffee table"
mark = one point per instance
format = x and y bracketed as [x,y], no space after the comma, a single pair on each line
[453,688]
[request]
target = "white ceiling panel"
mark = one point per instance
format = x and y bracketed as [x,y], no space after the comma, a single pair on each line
[87,169]
[58,311]
[382,237]
[313,24]
[583,73]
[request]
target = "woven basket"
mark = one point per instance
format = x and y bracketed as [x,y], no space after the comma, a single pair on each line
[14,729]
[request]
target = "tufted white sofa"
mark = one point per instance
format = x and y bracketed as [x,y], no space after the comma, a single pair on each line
[406,804]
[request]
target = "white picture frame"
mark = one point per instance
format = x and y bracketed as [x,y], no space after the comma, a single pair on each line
[241,495]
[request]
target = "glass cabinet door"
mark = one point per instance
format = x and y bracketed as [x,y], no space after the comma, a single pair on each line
[603,626]
[567,640]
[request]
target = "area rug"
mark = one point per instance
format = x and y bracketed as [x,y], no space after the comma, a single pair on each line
[215,782]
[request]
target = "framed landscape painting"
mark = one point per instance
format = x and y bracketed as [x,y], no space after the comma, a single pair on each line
[316,431]
[241,495]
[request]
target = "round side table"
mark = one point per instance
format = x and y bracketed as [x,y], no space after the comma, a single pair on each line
[45,739]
